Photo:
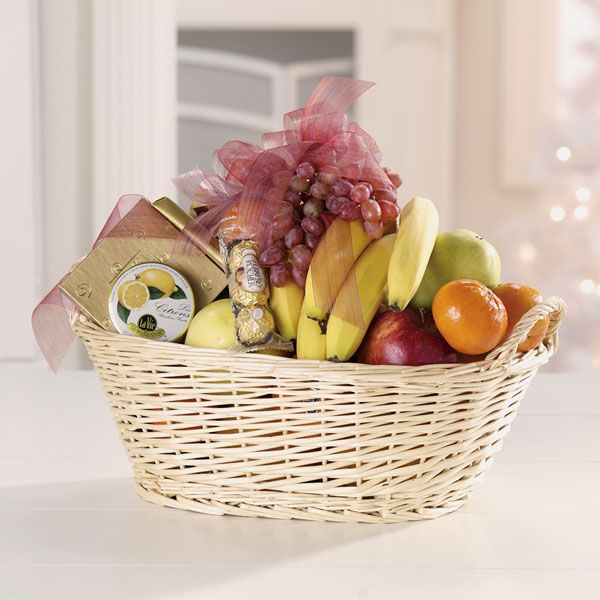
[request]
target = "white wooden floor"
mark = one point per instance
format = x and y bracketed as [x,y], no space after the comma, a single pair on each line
[71,526]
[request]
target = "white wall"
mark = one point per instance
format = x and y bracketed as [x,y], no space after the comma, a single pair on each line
[485,196]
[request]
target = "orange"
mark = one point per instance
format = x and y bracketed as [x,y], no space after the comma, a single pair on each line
[518,299]
[470,317]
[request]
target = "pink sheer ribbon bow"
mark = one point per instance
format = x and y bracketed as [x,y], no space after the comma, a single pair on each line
[250,182]
[247,189]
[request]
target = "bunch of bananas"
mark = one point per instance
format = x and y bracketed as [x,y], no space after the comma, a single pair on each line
[391,266]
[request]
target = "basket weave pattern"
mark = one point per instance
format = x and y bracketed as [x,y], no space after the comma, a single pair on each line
[256,435]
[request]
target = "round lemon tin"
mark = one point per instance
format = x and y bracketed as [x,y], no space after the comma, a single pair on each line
[152,301]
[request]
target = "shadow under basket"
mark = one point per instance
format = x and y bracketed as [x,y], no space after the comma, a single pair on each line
[263,436]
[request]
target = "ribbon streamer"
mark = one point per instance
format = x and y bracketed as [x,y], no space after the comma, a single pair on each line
[51,318]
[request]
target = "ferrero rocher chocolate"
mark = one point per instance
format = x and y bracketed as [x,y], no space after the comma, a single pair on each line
[247,281]
[249,293]
[242,297]
[238,251]
[254,325]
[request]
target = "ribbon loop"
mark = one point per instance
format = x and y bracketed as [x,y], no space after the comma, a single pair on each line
[319,132]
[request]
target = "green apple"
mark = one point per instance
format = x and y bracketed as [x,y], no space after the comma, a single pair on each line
[458,254]
[212,327]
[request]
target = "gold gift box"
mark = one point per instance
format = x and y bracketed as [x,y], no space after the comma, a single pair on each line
[134,240]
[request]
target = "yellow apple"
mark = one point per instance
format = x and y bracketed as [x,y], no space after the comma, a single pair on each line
[212,327]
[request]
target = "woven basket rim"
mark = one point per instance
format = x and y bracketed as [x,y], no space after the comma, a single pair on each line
[506,352]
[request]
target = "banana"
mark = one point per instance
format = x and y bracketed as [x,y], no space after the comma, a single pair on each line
[286,304]
[416,235]
[370,270]
[310,343]
[360,240]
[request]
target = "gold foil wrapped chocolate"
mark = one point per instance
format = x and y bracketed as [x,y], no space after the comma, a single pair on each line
[238,251]
[242,297]
[254,325]
[249,293]
[247,282]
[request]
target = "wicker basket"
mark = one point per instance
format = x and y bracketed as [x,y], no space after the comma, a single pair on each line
[256,435]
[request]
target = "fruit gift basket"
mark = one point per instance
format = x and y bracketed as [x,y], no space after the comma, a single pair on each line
[342,359]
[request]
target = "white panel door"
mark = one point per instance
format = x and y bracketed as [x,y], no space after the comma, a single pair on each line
[406,47]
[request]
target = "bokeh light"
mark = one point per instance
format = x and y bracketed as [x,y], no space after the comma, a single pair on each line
[581,212]
[563,153]
[583,194]
[527,252]
[557,213]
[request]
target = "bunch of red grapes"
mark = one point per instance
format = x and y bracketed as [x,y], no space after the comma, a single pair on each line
[313,201]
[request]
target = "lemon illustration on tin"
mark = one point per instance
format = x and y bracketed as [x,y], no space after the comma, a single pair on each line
[133,295]
[159,279]
[151,301]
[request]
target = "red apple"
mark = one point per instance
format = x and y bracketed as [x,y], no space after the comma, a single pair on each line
[400,338]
